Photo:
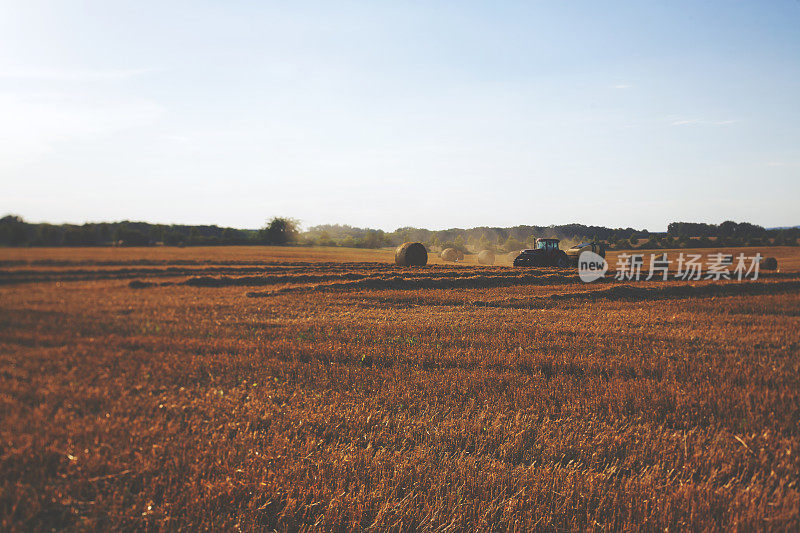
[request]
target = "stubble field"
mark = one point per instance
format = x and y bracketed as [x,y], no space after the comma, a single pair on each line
[296,389]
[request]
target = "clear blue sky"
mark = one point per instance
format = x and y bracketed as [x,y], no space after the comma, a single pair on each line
[386,114]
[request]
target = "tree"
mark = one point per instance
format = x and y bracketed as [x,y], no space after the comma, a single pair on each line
[512,244]
[128,236]
[727,228]
[486,243]
[279,231]
[13,231]
[371,239]
[173,237]
[78,236]
[47,235]
[324,239]
[652,243]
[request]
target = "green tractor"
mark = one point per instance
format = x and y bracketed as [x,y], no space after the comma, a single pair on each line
[546,253]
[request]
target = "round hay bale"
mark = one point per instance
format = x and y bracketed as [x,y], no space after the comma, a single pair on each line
[486,257]
[769,263]
[452,255]
[411,254]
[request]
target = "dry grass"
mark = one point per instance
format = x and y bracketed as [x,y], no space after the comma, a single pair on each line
[366,396]
[212,254]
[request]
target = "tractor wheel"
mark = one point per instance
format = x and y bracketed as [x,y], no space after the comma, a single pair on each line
[562,261]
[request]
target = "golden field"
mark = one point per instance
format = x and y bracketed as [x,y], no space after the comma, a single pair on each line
[292,389]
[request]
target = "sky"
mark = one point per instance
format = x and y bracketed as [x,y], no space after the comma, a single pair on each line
[388,114]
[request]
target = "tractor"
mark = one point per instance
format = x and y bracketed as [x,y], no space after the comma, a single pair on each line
[545,254]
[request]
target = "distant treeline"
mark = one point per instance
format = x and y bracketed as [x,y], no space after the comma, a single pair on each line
[285,231]
[16,232]
[726,234]
[678,235]
[467,240]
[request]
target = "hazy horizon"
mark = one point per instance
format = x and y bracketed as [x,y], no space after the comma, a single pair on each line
[380,115]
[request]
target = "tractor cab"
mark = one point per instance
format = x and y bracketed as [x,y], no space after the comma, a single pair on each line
[548,245]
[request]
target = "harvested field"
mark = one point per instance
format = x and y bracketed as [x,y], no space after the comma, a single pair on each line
[288,389]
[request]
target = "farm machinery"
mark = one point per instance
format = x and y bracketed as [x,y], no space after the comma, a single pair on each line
[575,252]
[546,253]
